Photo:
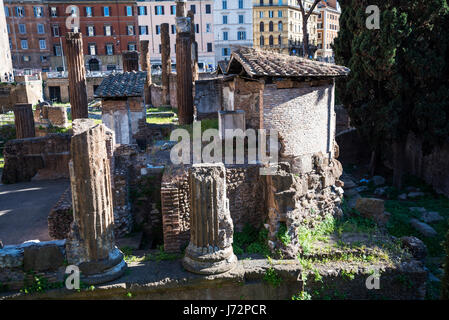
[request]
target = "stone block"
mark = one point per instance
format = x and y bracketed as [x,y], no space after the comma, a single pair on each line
[42,258]
[372,208]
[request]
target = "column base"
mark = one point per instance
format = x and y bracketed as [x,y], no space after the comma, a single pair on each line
[209,261]
[97,272]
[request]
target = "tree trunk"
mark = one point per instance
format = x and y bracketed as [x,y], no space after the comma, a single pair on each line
[398,163]
[305,51]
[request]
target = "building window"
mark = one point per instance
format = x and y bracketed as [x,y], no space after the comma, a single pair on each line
[280,26]
[130,30]
[22,28]
[38,12]
[280,14]
[241,35]
[260,14]
[90,31]
[208,28]
[261,26]
[20,11]
[280,2]
[280,40]
[159,10]
[89,12]
[129,11]
[209,47]
[143,11]
[197,28]
[241,19]
[261,41]
[108,31]
[106,12]
[270,2]
[225,19]
[225,35]
[109,49]
[172,10]
[55,29]
[240,4]
[7,11]
[158,29]
[193,8]
[225,52]
[143,30]
[24,44]
[224,4]
[132,46]
[42,44]
[54,12]
[57,50]
[270,14]
[271,41]
[261,2]
[40,28]
[26,59]
[8,28]
[271,26]
[92,49]
[173,29]
[208,9]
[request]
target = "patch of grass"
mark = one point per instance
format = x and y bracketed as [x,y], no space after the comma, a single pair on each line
[283,235]
[159,120]
[161,255]
[160,109]
[38,284]
[251,241]
[303,295]
[272,278]
[307,236]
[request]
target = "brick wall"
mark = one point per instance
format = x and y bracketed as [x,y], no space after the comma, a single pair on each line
[41,158]
[248,96]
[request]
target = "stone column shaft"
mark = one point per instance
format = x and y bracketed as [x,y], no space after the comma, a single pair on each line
[166,63]
[77,76]
[211,228]
[184,77]
[145,64]
[24,121]
[181,8]
[191,15]
[91,243]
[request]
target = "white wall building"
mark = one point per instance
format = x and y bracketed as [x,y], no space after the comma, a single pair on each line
[5,52]
[233,26]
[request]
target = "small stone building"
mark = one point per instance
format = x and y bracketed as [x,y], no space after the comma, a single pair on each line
[123,104]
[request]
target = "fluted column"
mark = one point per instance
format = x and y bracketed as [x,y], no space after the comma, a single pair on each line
[166,63]
[211,228]
[145,64]
[184,70]
[91,243]
[77,76]
[24,121]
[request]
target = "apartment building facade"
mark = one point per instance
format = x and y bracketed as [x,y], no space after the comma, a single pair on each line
[277,25]
[233,26]
[6,71]
[153,13]
[37,29]
[328,27]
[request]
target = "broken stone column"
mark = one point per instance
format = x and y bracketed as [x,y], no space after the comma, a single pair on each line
[184,77]
[181,8]
[166,63]
[211,227]
[130,61]
[91,243]
[191,15]
[145,64]
[77,76]
[24,121]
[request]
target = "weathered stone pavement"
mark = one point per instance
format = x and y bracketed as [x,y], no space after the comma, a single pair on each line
[24,208]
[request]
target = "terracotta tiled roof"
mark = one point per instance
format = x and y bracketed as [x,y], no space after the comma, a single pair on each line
[128,84]
[259,63]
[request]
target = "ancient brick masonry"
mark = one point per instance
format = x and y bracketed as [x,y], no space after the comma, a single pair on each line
[211,228]
[61,217]
[91,243]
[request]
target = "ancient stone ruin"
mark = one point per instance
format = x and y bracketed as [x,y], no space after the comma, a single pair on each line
[210,248]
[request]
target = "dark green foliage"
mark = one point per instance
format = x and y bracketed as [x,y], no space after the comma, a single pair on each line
[252,241]
[398,81]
